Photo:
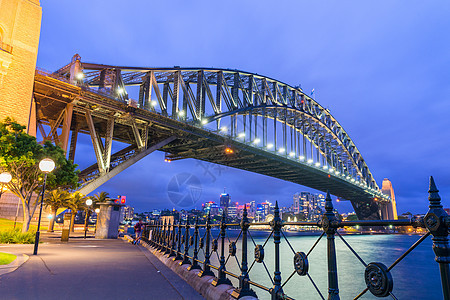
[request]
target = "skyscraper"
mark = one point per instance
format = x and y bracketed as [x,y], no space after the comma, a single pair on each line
[224,201]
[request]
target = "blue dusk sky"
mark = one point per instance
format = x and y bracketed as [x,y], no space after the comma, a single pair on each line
[381,67]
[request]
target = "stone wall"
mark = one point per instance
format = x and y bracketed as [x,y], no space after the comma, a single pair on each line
[20,24]
[8,209]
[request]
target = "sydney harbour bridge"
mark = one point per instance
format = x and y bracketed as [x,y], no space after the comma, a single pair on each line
[229,117]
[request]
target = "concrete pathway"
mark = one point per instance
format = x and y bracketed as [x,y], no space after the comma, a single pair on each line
[91,269]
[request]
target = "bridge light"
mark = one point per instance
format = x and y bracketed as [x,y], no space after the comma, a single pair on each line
[269,146]
[325,167]
[228,150]
[241,135]
[223,129]
[302,158]
[337,172]
[181,113]
[256,141]
[310,161]
[292,154]
[80,75]
[317,164]
[281,150]
[153,103]
[205,121]
[353,179]
[121,90]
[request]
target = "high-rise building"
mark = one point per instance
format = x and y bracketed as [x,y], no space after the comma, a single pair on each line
[224,201]
[312,206]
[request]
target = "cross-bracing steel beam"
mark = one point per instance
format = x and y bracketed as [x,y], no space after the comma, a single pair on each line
[91,186]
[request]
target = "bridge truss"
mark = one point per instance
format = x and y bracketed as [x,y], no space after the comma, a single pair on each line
[229,117]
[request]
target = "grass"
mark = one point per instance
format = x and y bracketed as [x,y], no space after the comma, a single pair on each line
[6,225]
[6,258]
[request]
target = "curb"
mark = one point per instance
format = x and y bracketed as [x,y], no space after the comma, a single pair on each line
[11,267]
[201,284]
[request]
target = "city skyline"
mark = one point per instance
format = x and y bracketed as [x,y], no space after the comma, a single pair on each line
[376,80]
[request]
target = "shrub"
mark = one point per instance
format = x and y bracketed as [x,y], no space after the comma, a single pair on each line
[16,237]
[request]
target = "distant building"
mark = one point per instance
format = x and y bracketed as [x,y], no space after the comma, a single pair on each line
[211,207]
[127,213]
[224,202]
[232,211]
[311,205]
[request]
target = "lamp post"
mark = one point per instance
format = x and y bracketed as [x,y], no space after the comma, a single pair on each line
[46,166]
[88,213]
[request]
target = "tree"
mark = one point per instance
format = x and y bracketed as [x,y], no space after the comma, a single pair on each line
[76,202]
[20,155]
[55,199]
[99,197]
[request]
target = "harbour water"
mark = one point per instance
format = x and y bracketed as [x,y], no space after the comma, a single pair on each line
[415,277]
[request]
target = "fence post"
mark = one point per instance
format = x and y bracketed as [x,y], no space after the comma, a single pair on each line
[277,290]
[172,240]
[244,287]
[221,276]
[163,236]
[195,264]
[157,235]
[329,225]
[437,222]
[186,259]
[206,268]
[178,251]
[151,233]
[167,238]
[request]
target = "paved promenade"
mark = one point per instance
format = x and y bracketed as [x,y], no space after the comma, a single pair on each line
[91,269]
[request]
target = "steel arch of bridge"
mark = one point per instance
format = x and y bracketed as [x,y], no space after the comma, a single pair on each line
[243,107]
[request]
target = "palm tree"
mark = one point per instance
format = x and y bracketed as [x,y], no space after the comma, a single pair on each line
[76,202]
[55,199]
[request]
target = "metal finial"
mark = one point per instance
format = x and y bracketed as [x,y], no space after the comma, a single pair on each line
[328,203]
[433,195]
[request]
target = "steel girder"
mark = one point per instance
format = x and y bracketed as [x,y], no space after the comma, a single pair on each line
[239,93]
[187,101]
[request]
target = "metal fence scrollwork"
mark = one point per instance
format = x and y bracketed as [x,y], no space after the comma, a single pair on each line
[169,239]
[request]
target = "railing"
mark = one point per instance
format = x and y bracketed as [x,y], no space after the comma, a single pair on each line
[170,239]
[5,47]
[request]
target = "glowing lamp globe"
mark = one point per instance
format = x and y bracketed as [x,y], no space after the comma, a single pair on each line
[47,165]
[5,177]
[89,202]
[97,210]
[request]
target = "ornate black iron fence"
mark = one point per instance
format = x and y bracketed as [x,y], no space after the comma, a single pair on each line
[176,240]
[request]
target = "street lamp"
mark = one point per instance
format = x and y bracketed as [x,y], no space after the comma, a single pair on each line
[88,213]
[46,166]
